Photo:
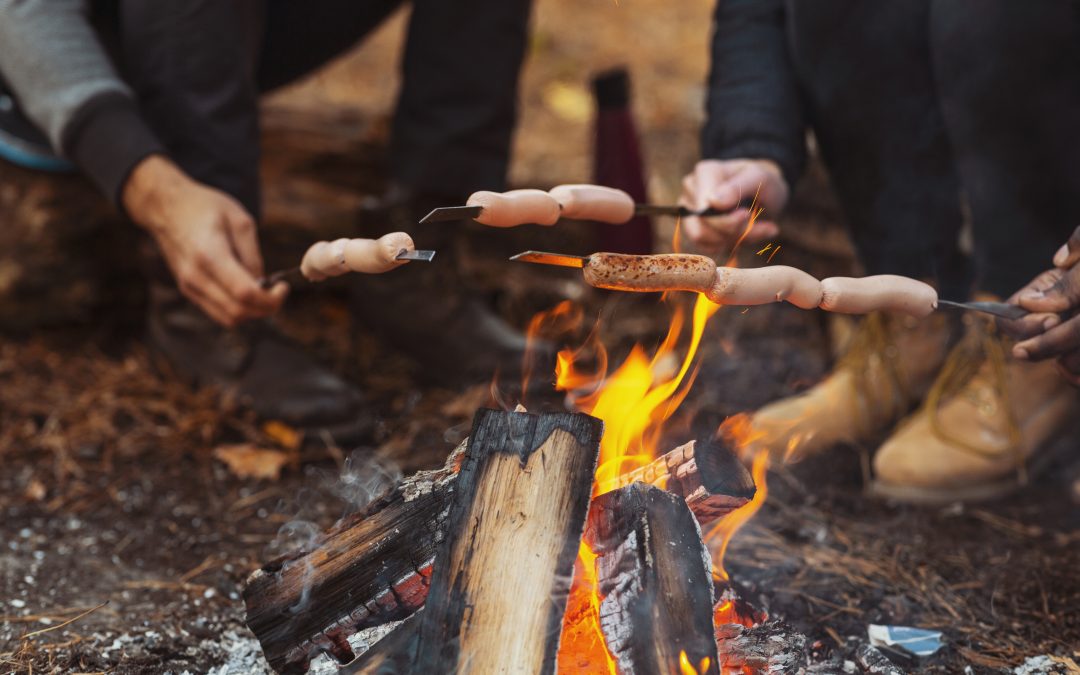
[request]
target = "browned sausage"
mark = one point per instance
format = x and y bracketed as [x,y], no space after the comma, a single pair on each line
[884,292]
[650,273]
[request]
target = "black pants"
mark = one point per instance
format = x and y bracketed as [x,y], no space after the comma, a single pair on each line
[920,106]
[199,66]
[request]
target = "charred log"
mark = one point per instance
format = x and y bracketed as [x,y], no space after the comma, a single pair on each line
[371,568]
[770,647]
[653,574]
[706,474]
[502,574]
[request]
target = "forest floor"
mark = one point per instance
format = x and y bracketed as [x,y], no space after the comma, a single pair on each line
[118,515]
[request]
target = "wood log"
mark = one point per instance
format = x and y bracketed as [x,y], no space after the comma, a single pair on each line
[502,574]
[391,654]
[770,647]
[711,479]
[371,568]
[707,474]
[656,590]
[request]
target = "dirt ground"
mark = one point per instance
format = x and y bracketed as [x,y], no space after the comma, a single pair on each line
[117,516]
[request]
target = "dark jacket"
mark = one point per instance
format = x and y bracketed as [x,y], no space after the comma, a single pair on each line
[918,107]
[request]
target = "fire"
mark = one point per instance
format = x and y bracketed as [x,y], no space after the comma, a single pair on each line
[687,668]
[725,529]
[635,400]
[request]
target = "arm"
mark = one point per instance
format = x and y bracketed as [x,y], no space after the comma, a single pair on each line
[66,85]
[753,108]
[753,140]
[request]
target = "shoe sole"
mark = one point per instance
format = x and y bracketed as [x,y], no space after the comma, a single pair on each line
[1057,447]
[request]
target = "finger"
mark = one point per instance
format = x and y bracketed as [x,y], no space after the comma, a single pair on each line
[200,290]
[1069,254]
[729,225]
[244,237]
[704,237]
[737,186]
[1028,326]
[1054,291]
[1070,365]
[1057,341]
[240,287]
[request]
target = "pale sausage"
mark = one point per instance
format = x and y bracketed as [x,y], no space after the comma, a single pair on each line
[594,202]
[369,256]
[516,207]
[762,285]
[884,292]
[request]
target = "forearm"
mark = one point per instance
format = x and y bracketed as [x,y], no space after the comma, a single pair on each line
[65,83]
[753,107]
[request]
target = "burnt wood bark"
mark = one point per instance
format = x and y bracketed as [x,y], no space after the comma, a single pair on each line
[503,571]
[707,474]
[653,577]
[382,555]
[370,568]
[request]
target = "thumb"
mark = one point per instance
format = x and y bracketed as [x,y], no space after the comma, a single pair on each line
[1069,254]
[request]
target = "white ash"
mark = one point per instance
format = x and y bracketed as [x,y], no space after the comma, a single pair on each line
[360,643]
[1044,665]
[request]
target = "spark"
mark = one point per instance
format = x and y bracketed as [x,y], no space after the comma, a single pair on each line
[773,254]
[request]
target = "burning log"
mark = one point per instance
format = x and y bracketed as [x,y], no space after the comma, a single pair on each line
[374,566]
[710,478]
[502,574]
[771,647]
[371,568]
[653,574]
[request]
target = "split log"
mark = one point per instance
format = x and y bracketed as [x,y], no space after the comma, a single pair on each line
[770,647]
[391,654]
[502,575]
[371,568]
[706,474]
[382,556]
[656,591]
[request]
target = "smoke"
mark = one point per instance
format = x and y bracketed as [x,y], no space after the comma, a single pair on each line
[363,478]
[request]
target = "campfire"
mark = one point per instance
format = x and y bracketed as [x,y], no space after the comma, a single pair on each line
[563,542]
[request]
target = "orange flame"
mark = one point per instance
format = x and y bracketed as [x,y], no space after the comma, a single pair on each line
[723,531]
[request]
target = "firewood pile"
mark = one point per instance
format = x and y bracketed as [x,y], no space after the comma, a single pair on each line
[504,560]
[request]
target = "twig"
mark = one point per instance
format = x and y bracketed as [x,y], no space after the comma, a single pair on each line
[66,623]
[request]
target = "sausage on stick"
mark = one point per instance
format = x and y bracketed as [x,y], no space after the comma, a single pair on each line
[752,286]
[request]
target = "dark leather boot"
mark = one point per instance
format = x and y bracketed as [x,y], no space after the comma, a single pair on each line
[427,310]
[256,365]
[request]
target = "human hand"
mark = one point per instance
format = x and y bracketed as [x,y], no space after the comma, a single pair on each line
[1052,330]
[722,184]
[207,238]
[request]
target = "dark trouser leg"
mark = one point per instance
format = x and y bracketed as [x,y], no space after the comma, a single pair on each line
[192,64]
[1011,97]
[871,95]
[458,100]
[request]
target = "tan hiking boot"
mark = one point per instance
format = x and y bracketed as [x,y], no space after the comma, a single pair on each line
[987,422]
[889,366]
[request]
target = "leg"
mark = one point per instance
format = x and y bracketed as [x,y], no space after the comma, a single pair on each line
[458,101]
[192,64]
[300,37]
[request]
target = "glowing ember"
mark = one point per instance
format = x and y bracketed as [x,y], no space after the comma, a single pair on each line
[582,648]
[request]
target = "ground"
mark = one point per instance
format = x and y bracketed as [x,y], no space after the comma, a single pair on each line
[116,515]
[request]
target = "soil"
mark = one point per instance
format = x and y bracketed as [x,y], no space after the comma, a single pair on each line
[124,542]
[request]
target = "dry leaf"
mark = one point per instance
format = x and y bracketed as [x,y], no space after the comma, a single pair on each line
[569,102]
[35,491]
[249,461]
[283,434]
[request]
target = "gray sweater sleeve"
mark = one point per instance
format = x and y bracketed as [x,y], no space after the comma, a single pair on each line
[65,83]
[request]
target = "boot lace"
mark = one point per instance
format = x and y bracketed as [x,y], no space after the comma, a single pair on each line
[981,345]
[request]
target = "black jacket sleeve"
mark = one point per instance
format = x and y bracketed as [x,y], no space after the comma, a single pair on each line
[753,108]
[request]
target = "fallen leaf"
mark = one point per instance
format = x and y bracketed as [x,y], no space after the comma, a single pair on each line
[283,434]
[569,102]
[249,461]
[35,490]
